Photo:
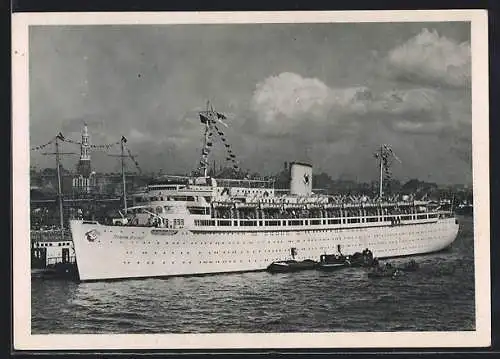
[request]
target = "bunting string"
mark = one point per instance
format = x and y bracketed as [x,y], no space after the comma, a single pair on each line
[105,146]
[41,147]
[71,141]
[386,155]
[100,147]
[132,157]
[231,157]
[209,119]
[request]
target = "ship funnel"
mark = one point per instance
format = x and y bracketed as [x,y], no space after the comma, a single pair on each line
[300,179]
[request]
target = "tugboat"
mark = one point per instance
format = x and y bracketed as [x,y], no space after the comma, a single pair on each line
[358,259]
[363,259]
[291,266]
[332,262]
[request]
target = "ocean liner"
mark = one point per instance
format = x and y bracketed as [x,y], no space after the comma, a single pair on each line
[201,225]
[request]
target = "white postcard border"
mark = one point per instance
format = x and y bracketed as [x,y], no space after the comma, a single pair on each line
[24,340]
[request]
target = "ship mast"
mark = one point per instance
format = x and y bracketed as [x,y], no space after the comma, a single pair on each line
[204,161]
[384,154]
[381,186]
[57,154]
[210,119]
[123,140]
[122,144]
[59,189]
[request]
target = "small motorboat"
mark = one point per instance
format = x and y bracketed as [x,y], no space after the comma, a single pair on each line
[387,271]
[339,260]
[386,274]
[364,259]
[291,266]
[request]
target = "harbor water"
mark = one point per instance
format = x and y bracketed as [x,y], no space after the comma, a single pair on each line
[437,297]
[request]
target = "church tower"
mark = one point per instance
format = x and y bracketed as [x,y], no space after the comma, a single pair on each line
[85,179]
[84,168]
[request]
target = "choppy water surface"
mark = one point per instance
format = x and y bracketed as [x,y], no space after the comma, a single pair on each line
[439,296]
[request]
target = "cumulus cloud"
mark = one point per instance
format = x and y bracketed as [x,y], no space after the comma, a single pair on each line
[289,95]
[413,111]
[431,58]
[291,104]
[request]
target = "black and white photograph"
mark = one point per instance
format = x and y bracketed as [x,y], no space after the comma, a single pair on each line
[240,180]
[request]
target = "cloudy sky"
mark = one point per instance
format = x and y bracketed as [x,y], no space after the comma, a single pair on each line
[324,93]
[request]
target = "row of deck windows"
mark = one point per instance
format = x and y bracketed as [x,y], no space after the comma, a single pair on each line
[278,233]
[284,250]
[50,244]
[311,222]
[383,250]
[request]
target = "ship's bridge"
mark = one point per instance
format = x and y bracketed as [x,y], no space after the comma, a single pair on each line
[243,189]
[160,214]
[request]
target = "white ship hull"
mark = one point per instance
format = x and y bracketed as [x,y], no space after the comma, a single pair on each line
[114,252]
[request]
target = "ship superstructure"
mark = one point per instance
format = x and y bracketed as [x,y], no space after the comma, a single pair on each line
[197,225]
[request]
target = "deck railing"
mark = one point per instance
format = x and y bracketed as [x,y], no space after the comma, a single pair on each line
[54,260]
